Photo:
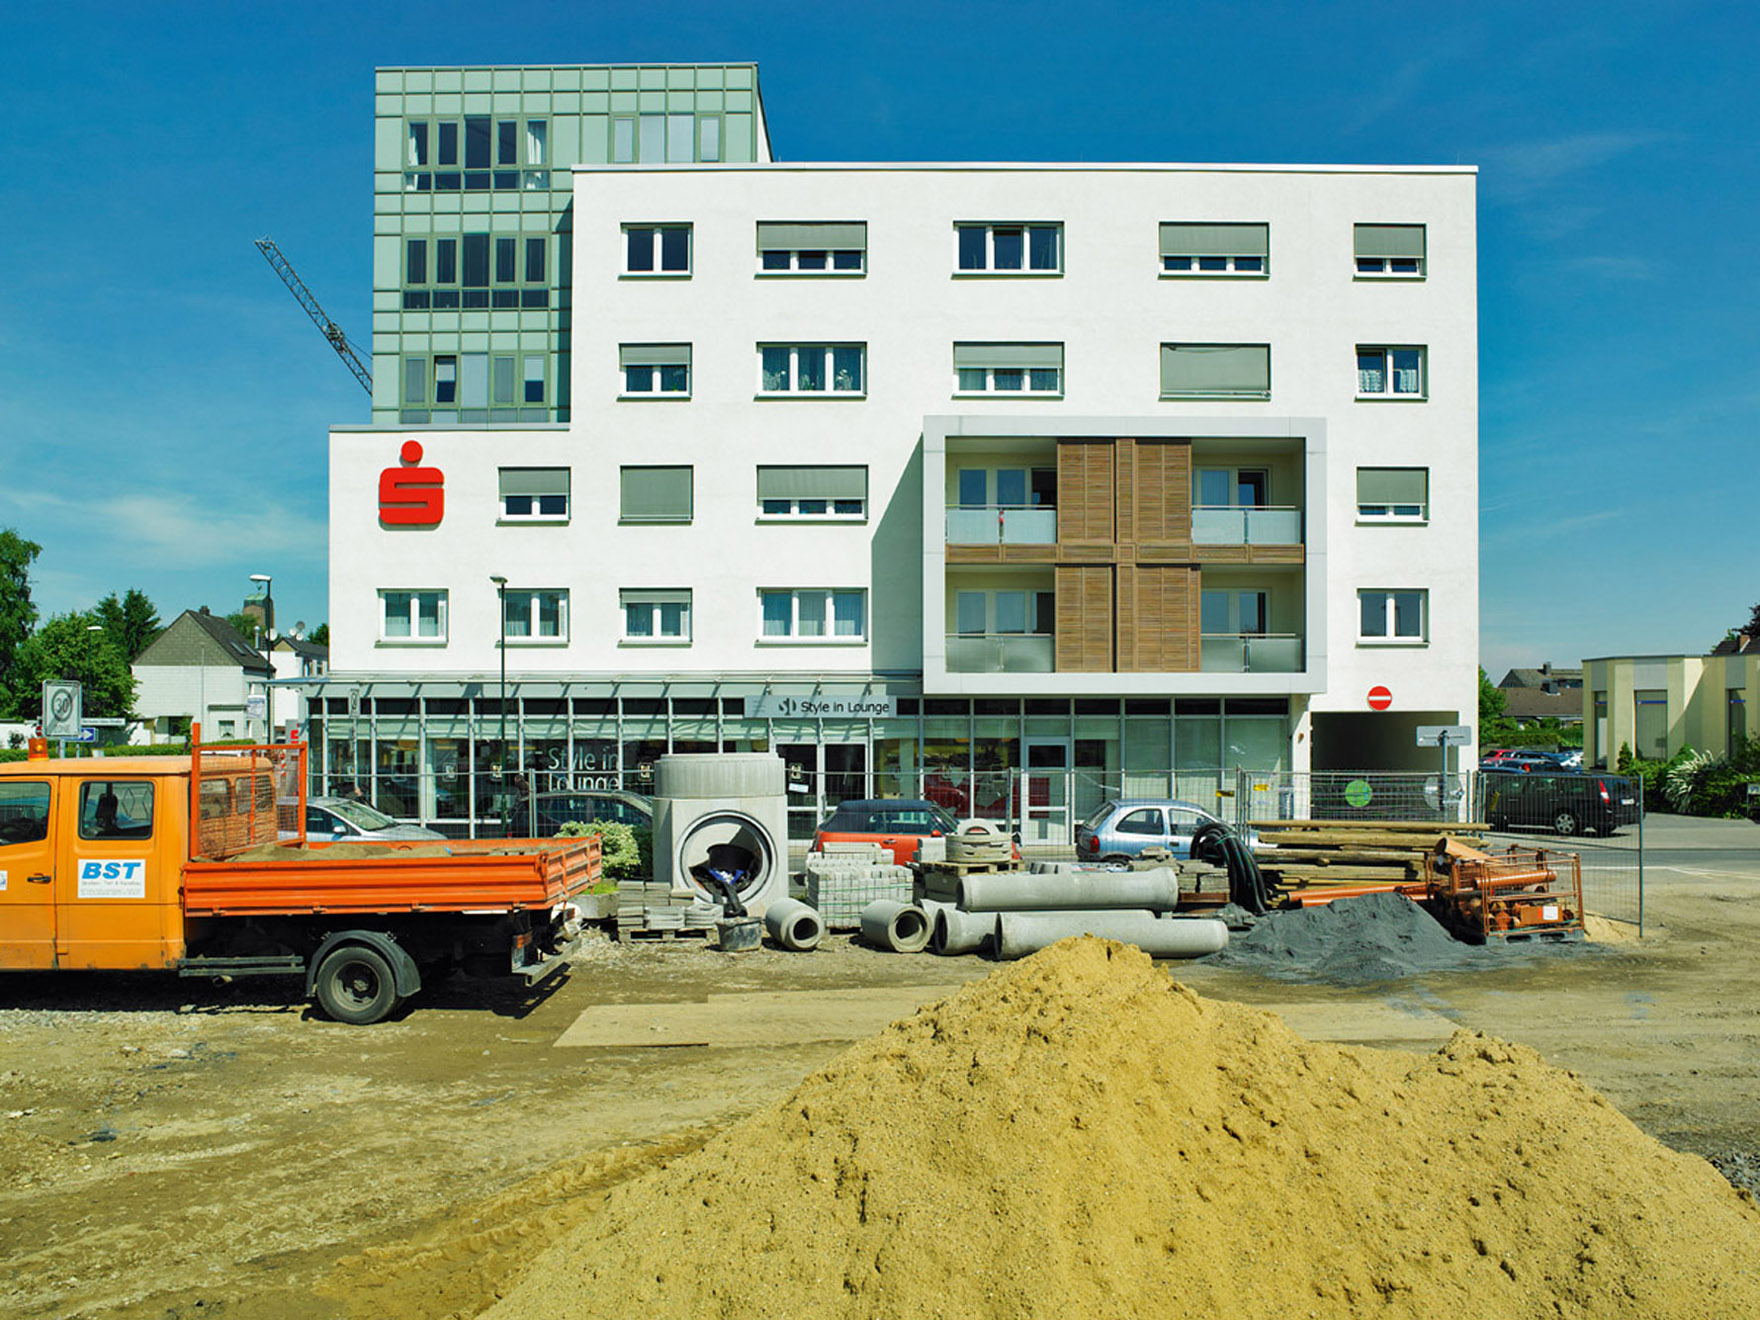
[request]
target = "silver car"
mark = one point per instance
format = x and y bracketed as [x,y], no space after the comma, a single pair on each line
[1123,828]
[335,819]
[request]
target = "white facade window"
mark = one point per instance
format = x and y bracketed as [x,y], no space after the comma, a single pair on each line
[1216,371]
[534,494]
[1008,369]
[812,368]
[415,617]
[1391,373]
[1014,249]
[539,616]
[1388,615]
[656,617]
[796,493]
[1393,494]
[1215,249]
[657,249]
[1390,251]
[812,248]
[655,370]
[813,615]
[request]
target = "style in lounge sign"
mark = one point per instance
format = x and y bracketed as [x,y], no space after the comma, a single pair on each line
[411,495]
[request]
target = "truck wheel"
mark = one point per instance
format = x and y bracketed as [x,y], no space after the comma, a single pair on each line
[355,985]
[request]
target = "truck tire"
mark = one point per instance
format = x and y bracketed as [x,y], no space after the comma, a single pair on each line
[355,985]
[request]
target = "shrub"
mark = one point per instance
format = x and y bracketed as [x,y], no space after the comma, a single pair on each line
[626,852]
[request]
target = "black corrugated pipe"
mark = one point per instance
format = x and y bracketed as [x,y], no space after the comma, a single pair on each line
[1214,842]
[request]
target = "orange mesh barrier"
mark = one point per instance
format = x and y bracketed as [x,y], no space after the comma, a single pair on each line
[242,796]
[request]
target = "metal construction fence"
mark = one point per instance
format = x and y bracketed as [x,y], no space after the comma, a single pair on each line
[1598,817]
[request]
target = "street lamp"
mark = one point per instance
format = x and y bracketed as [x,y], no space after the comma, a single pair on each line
[501,751]
[267,582]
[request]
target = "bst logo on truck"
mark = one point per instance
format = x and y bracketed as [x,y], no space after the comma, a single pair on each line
[412,495]
[112,878]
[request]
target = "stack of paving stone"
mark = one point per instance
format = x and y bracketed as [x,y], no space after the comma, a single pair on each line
[846,877]
[652,910]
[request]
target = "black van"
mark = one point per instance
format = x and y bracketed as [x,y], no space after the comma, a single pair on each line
[1562,803]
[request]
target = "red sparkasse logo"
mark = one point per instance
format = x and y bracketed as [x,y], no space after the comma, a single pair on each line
[412,496]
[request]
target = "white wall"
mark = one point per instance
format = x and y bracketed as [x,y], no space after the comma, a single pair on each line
[1109,308]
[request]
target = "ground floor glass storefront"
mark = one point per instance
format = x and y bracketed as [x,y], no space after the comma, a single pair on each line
[428,752]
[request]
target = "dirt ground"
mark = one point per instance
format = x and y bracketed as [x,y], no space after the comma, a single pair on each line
[175,1149]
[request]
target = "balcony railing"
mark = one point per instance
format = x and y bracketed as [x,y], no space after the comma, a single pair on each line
[1001,524]
[1251,653]
[1001,653]
[1232,525]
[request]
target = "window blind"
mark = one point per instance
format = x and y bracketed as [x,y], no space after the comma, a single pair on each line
[653,355]
[1232,369]
[534,481]
[1008,355]
[812,236]
[1393,485]
[656,494]
[1390,240]
[1181,239]
[812,483]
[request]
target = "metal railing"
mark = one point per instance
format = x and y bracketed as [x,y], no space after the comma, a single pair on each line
[1214,524]
[1001,524]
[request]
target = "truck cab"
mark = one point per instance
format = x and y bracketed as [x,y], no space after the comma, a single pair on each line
[91,856]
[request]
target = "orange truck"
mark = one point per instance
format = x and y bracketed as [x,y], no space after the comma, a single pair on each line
[200,866]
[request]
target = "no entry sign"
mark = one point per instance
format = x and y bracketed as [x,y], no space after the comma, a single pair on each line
[1380,698]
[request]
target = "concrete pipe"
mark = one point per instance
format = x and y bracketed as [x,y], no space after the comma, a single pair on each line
[1069,891]
[901,927]
[961,932]
[794,925]
[1021,933]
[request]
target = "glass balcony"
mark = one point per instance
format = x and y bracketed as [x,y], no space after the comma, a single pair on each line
[1001,524]
[1255,653]
[1001,653]
[1231,525]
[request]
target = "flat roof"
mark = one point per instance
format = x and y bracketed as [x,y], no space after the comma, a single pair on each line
[1022,167]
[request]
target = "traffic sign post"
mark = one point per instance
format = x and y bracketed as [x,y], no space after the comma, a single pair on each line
[1444,736]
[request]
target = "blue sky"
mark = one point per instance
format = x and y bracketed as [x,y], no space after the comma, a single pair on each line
[164,402]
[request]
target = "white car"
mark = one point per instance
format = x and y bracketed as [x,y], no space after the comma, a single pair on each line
[336,819]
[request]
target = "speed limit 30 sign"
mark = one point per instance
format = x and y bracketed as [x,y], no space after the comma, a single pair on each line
[62,715]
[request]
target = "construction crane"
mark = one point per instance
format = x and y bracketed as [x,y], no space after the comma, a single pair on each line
[320,318]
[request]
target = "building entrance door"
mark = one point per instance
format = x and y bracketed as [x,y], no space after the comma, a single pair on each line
[1045,791]
[801,785]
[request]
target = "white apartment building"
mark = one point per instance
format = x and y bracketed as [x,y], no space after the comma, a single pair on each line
[1014,486]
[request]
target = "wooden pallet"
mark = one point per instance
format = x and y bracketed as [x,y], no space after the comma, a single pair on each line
[662,934]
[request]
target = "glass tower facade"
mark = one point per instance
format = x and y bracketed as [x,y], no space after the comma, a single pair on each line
[472,186]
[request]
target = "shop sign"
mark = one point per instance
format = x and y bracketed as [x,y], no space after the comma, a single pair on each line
[773,707]
[411,495]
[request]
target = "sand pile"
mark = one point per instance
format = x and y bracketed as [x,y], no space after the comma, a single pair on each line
[1078,1135]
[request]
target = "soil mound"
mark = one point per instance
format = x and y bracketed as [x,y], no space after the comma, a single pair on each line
[1079,1135]
[1374,937]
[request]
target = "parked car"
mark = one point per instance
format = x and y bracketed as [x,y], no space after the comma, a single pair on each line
[336,819]
[896,824]
[549,812]
[1562,802]
[1122,828]
[1522,759]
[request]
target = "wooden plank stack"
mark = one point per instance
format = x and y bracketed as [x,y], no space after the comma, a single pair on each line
[1315,859]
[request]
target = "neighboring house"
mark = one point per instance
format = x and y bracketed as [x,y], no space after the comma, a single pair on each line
[293,658]
[201,668]
[1658,704]
[1544,679]
[1529,706]
[928,478]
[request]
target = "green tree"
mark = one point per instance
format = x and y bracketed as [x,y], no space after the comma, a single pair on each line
[1495,728]
[319,636]
[1752,626]
[67,648]
[246,624]
[131,622]
[17,614]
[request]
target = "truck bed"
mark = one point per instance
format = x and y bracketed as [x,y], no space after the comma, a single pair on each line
[461,875]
